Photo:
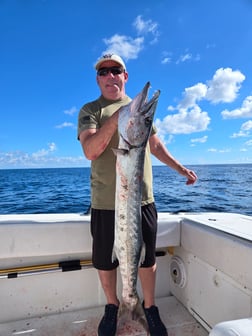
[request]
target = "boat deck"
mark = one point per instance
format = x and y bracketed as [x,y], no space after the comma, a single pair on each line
[178,320]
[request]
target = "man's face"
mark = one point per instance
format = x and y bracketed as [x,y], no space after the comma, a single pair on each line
[112,83]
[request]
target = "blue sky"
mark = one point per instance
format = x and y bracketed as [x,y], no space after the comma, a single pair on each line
[198,53]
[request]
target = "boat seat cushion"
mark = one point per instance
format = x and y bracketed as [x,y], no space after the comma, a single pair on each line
[242,327]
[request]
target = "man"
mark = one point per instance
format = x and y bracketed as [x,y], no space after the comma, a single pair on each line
[97,132]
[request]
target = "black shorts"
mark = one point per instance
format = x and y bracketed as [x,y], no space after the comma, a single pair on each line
[102,230]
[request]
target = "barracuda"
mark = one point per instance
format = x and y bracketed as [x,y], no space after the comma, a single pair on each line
[134,127]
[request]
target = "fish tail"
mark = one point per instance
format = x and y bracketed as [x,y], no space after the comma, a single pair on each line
[139,315]
[136,313]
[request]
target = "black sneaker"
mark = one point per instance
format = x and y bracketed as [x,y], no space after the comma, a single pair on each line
[156,326]
[108,324]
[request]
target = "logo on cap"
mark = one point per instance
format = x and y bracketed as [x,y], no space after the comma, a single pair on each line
[107,55]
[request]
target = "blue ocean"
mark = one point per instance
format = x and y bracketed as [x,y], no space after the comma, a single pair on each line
[67,190]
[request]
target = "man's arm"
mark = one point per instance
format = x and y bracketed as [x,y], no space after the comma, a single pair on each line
[94,141]
[158,149]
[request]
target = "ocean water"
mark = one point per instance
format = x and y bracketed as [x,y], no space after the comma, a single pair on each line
[67,190]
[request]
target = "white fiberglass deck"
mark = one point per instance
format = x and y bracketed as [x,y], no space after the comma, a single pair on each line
[84,323]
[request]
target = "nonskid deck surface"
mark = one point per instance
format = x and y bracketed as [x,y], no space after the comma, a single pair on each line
[177,319]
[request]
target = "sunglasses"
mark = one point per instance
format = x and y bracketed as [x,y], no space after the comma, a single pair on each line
[114,70]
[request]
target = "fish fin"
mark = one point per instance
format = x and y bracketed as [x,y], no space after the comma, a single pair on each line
[114,256]
[121,151]
[142,255]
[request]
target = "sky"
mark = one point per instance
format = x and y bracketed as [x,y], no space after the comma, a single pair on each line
[197,52]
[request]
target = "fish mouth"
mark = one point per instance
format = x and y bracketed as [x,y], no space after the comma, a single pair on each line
[135,119]
[149,107]
[145,94]
[145,105]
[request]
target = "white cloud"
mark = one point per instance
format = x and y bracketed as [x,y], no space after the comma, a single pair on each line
[166,57]
[225,150]
[125,46]
[190,121]
[145,27]
[71,111]
[240,134]
[248,143]
[214,150]
[183,58]
[166,60]
[129,47]
[44,152]
[244,131]
[66,124]
[52,147]
[200,140]
[224,85]
[190,118]
[188,57]
[41,158]
[245,111]
[192,95]
[247,126]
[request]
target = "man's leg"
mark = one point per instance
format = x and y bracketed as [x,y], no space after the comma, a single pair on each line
[108,282]
[147,271]
[108,323]
[147,277]
[102,230]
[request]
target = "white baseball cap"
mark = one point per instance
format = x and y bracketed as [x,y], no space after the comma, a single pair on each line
[110,57]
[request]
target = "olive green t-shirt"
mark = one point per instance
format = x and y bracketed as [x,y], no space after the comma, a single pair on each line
[103,169]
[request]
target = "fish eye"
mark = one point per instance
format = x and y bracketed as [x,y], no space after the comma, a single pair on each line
[147,121]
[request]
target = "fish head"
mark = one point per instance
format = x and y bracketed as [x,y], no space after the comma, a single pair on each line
[135,119]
